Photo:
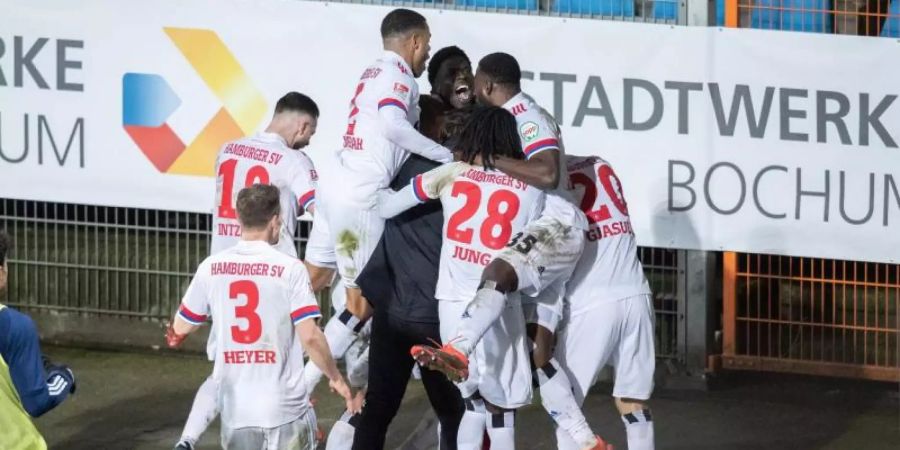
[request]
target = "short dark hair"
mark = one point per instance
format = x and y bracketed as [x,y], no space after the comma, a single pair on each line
[490,131]
[434,65]
[501,68]
[297,102]
[257,204]
[402,21]
[4,246]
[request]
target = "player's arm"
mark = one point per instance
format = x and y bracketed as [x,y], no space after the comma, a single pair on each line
[422,188]
[304,315]
[41,387]
[303,186]
[192,312]
[541,170]
[392,114]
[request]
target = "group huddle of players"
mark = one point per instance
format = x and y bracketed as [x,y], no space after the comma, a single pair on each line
[539,281]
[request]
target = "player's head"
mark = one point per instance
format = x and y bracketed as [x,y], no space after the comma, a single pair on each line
[4,252]
[406,33]
[489,132]
[431,120]
[498,79]
[259,213]
[450,75]
[296,118]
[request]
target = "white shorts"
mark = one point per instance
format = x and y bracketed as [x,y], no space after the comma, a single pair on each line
[546,309]
[618,333]
[297,435]
[356,233]
[546,251]
[499,366]
[320,245]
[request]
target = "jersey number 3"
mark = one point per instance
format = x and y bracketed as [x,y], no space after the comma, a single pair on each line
[247,311]
[496,218]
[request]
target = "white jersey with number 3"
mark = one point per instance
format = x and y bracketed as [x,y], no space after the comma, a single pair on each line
[255,295]
[483,210]
[264,158]
[609,268]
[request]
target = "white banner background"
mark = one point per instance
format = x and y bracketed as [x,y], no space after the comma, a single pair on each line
[320,49]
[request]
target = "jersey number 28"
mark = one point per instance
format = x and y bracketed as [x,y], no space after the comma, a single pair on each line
[502,208]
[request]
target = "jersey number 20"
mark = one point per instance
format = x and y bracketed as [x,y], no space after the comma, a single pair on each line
[605,178]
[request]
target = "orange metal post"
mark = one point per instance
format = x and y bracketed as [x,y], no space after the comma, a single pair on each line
[729,269]
[731,13]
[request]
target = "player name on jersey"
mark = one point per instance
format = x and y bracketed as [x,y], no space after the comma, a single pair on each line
[229,229]
[249,357]
[470,255]
[246,269]
[254,153]
[501,179]
[597,232]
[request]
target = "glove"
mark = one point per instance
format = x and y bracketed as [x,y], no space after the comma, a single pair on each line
[59,377]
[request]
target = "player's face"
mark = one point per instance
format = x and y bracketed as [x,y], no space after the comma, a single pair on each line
[306,128]
[421,42]
[454,82]
[482,89]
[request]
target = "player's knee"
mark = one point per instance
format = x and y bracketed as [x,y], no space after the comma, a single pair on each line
[630,405]
[502,273]
[542,345]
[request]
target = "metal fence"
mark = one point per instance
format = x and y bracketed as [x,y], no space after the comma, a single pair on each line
[811,315]
[856,17]
[126,262]
[653,11]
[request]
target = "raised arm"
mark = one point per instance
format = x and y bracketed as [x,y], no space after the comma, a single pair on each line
[397,129]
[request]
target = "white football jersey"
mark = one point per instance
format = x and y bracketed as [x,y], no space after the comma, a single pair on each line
[264,158]
[609,268]
[483,211]
[369,160]
[540,132]
[255,295]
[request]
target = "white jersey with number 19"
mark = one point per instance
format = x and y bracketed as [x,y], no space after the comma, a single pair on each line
[256,295]
[264,158]
[483,210]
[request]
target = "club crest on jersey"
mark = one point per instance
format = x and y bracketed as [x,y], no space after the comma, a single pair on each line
[401,88]
[529,131]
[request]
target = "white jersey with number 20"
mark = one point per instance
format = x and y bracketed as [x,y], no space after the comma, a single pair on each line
[255,295]
[483,210]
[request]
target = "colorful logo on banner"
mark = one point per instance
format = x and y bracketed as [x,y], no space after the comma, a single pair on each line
[148,101]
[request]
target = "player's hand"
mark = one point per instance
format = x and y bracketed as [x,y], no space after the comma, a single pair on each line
[340,387]
[359,400]
[58,374]
[173,339]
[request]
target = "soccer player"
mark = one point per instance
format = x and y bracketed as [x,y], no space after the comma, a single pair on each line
[450,75]
[539,260]
[483,208]
[261,302]
[611,311]
[29,384]
[378,139]
[275,157]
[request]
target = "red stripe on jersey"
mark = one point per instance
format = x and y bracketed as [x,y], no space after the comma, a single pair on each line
[191,316]
[305,312]
[543,144]
[391,102]
[418,189]
[307,199]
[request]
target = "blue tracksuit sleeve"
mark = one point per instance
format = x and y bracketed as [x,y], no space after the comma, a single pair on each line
[21,350]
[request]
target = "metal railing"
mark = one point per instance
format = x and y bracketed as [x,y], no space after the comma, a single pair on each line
[653,11]
[811,315]
[855,17]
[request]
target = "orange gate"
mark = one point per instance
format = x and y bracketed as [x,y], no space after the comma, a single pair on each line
[811,315]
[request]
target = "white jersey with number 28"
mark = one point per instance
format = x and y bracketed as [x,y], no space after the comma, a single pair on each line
[483,210]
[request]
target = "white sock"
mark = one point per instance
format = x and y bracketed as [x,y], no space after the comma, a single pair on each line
[203,411]
[471,428]
[502,430]
[357,362]
[559,401]
[639,429]
[340,437]
[480,314]
[339,337]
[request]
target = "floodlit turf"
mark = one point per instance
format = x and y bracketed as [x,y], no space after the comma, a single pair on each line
[140,400]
